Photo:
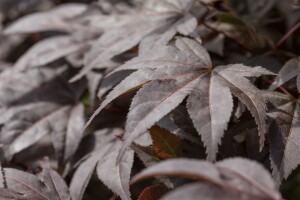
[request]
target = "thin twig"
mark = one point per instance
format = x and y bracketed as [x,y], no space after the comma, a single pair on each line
[287,35]
[280,88]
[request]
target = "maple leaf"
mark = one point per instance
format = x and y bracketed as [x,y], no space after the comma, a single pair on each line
[51,49]
[41,102]
[161,19]
[169,74]
[50,186]
[74,47]
[224,180]
[103,159]
[284,138]
[55,19]
[54,182]
[290,70]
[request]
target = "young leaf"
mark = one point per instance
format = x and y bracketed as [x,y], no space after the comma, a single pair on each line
[165,144]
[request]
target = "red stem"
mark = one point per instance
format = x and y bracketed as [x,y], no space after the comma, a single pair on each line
[280,88]
[287,35]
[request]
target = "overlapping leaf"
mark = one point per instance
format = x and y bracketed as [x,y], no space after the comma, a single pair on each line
[103,159]
[229,179]
[74,47]
[11,9]
[40,102]
[165,144]
[241,31]
[290,70]
[180,94]
[160,20]
[55,19]
[284,134]
[153,192]
[22,185]
[51,49]
[172,73]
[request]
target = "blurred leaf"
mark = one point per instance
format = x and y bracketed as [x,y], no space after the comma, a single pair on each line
[153,192]
[29,186]
[235,175]
[103,160]
[284,141]
[247,35]
[290,70]
[55,19]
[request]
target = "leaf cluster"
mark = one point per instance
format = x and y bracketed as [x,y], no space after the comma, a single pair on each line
[203,95]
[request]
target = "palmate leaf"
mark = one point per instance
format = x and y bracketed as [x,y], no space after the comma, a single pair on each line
[169,74]
[232,179]
[290,70]
[22,185]
[162,19]
[284,134]
[103,160]
[40,102]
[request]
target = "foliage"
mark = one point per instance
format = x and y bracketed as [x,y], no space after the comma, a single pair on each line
[124,91]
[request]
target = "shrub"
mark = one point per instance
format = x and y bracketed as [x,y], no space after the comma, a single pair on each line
[203,95]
